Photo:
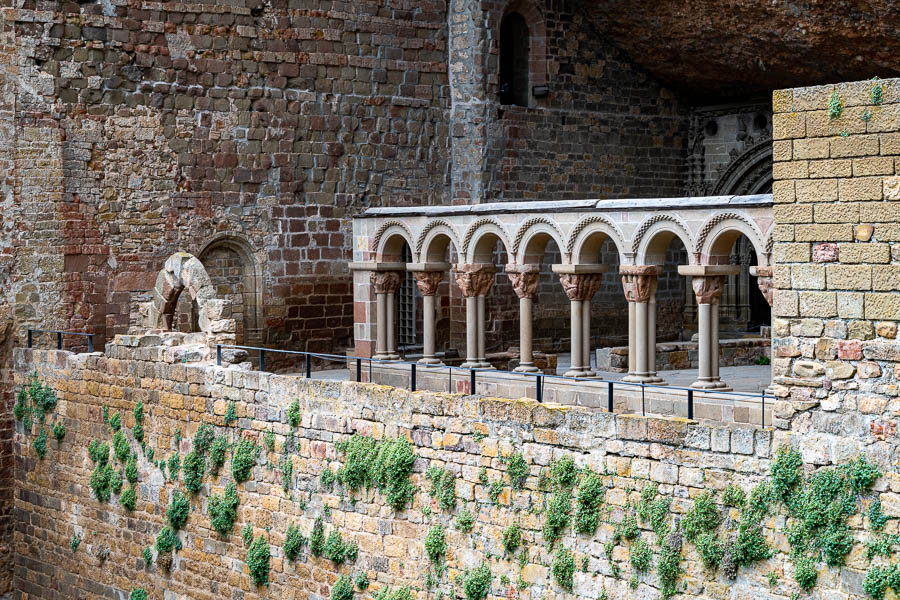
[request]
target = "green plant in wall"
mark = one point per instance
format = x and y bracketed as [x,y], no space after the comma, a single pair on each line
[628,526]
[361,581]
[877,92]
[203,438]
[223,509]
[588,502]
[120,446]
[75,541]
[511,538]
[286,467]
[166,542]
[174,466]
[563,568]
[435,544]
[877,519]
[564,475]
[293,414]
[641,556]
[218,451]
[711,549]
[138,429]
[337,550]
[293,542]
[138,594]
[517,469]
[653,509]
[391,470]
[40,443]
[101,481]
[230,414]
[194,468]
[465,521]
[317,538]
[246,452]
[443,487]
[129,497]
[401,593]
[668,565]
[835,106]
[258,561]
[269,440]
[879,578]
[703,517]
[147,556]
[476,583]
[115,422]
[327,477]
[59,431]
[131,469]
[179,508]
[247,534]
[734,496]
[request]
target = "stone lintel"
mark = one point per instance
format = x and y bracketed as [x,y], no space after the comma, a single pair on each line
[640,269]
[761,271]
[579,269]
[427,267]
[708,270]
[377,266]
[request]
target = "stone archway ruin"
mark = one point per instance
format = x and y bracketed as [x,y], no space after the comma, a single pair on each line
[184,272]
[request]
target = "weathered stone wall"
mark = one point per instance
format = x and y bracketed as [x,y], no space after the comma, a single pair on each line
[472,437]
[604,129]
[837,263]
[144,129]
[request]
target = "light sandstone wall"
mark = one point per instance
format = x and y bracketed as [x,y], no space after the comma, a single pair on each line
[837,267]
[461,433]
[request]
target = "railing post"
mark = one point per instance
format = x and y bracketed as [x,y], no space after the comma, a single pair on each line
[609,396]
[359,370]
[449,379]
[262,359]
[218,355]
[308,367]
[472,382]
[59,340]
[90,342]
[690,404]
[412,377]
[764,408]
[643,402]
[29,337]
[539,383]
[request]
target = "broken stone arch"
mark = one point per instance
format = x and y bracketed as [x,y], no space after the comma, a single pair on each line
[183,272]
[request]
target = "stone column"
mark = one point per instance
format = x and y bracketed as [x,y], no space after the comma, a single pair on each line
[475,282]
[524,280]
[580,288]
[708,282]
[639,283]
[385,283]
[428,283]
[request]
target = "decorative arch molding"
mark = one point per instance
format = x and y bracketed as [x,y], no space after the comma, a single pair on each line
[387,230]
[718,223]
[253,280]
[680,230]
[750,173]
[614,232]
[485,225]
[426,231]
[532,227]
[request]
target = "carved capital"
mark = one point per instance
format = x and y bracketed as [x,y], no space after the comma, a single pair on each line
[639,282]
[385,282]
[475,280]
[428,281]
[765,286]
[581,286]
[524,279]
[708,289]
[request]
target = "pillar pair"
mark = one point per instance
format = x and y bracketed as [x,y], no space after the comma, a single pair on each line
[475,282]
[640,283]
[708,282]
[580,282]
[386,285]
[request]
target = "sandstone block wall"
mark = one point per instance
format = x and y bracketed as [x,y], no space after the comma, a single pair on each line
[468,435]
[837,260]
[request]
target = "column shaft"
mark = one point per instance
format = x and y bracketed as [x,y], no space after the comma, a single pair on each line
[471,332]
[632,336]
[380,326]
[392,326]
[586,338]
[640,340]
[526,355]
[482,317]
[428,357]
[575,369]
[704,335]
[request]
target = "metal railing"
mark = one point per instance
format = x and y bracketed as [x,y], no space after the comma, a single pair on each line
[472,372]
[59,337]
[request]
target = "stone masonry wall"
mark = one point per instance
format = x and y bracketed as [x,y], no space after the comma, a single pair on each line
[147,128]
[472,437]
[837,264]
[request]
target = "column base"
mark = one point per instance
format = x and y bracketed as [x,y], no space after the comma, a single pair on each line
[657,380]
[430,361]
[638,379]
[470,364]
[706,384]
[393,356]
[381,357]
[575,374]
[485,365]
[526,368]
